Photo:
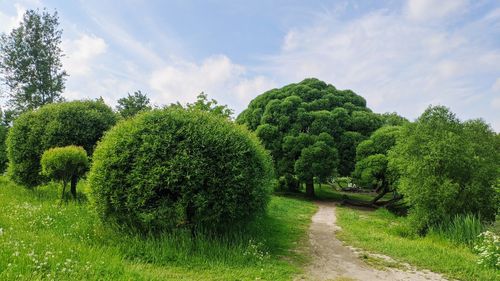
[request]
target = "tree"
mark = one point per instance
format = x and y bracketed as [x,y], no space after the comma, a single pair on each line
[290,119]
[204,104]
[30,61]
[371,170]
[318,160]
[393,119]
[130,105]
[446,167]
[65,164]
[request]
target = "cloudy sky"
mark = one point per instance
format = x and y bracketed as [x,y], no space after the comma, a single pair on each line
[400,55]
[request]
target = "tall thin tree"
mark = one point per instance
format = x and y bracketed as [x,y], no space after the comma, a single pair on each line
[30,61]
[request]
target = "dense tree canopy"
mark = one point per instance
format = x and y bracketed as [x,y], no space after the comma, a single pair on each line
[371,170]
[30,61]
[446,167]
[79,123]
[292,119]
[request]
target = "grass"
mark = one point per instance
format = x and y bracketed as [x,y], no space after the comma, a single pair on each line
[462,229]
[43,240]
[382,232]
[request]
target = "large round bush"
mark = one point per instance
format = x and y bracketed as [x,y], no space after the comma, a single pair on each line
[172,168]
[80,123]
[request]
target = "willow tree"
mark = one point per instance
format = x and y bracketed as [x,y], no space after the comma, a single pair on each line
[290,120]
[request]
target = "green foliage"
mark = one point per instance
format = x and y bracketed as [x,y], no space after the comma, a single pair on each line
[80,123]
[30,61]
[202,103]
[3,149]
[371,171]
[288,183]
[446,168]
[346,147]
[287,120]
[173,168]
[65,164]
[130,105]
[461,229]
[393,119]
[379,142]
[318,160]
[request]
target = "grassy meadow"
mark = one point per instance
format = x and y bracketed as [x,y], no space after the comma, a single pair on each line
[43,239]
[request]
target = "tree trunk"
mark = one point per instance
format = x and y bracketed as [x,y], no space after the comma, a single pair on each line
[63,191]
[310,187]
[74,181]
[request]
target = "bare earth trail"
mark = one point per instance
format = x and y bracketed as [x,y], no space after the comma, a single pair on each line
[332,260]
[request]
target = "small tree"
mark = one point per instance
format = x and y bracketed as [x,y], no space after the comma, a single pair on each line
[132,104]
[371,170]
[65,164]
[318,160]
[30,61]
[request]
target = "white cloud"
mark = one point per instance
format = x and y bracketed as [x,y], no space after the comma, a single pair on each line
[8,22]
[496,86]
[394,62]
[80,54]
[496,103]
[217,76]
[247,89]
[422,10]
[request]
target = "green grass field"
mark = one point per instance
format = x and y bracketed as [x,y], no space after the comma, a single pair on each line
[382,232]
[41,239]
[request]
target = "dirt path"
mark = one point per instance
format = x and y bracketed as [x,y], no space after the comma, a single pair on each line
[332,260]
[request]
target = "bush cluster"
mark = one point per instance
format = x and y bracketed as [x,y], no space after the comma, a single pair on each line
[80,123]
[173,168]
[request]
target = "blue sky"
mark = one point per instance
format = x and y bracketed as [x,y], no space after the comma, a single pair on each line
[400,55]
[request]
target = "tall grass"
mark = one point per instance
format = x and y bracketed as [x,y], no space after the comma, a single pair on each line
[461,229]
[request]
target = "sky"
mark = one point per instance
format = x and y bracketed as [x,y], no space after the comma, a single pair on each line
[401,56]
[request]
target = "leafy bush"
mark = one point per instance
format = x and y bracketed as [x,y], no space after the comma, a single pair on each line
[80,123]
[488,249]
[446,167]
[172,168]
[65,164]
[288,183]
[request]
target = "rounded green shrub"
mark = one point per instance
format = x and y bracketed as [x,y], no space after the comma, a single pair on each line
[80,123]
[65,164]
[172,168]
